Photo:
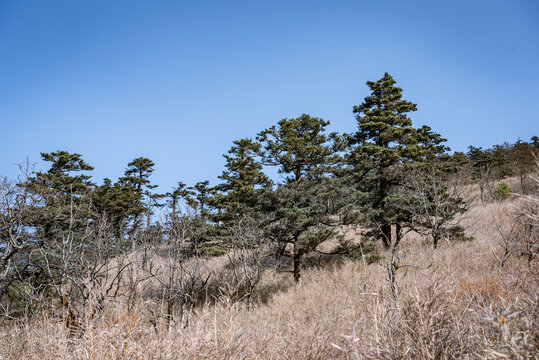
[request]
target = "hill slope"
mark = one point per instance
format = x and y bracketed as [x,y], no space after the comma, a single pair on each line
[454,302]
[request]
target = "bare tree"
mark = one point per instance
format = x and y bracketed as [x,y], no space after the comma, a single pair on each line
[507,240]
[179,273]
[17,236]
[247,256]
[85,271]
[521,237]
[527,211]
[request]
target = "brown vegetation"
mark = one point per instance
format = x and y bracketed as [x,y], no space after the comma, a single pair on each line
[454,302]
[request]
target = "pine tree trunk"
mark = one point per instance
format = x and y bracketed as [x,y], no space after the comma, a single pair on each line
[297,266]
[386,235]
[482,193]
[398,234]
[149,214]
[170,312]
[392,269]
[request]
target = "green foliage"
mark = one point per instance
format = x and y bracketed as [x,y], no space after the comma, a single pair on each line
[243,172]
[243,180]
[63,181]
[302,210]
[203,192]
[212,249]
[138,197]
[57,212]
[382,149]
[386,176]
[59,178]
[502,192]
[301,215]
[522,158]
[298,147]
[22,305]
[491,161]
[64,206]
[432,200]
[180,194]
[114,202]
[358,251]
[456,232]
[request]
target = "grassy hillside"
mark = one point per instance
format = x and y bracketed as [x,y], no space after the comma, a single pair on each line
[454,302]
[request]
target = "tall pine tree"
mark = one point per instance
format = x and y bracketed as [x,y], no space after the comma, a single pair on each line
[383,146]
[137,181]
[302,209]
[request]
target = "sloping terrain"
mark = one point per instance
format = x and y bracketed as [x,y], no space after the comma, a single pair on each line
[454,302]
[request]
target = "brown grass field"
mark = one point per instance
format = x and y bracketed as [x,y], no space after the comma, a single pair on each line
[455,302]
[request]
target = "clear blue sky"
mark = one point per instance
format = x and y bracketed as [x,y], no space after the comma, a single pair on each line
[178,81]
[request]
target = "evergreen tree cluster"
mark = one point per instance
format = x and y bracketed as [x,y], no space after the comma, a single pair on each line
[387,178]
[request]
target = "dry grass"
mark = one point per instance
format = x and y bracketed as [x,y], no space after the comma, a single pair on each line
[455,302]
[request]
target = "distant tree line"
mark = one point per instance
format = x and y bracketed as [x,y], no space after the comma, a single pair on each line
[66,238]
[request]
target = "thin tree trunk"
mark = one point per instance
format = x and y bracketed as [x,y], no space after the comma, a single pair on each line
[297,265]
[386,235]
[170,313]
[398,234]
[392,272]
[149,214]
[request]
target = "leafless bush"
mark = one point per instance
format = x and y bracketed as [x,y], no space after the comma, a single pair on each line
[180,276]
[17,236]
[522,236]
[247,257]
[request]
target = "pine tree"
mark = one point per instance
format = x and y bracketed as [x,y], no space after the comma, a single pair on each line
[298,147]
[179,193]
[243,179]
[113,202]
[59,181]
[203,193]
[487,166]
[302,209]
[59,223]
[432,200]
[63,188]
[521,159]
[383,146]
[136,180]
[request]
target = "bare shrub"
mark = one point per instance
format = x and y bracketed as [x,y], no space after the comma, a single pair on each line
[180,276]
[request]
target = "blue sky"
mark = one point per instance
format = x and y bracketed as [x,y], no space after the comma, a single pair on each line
[178,81]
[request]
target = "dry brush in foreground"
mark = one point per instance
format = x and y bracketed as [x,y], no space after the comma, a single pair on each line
[454,302]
